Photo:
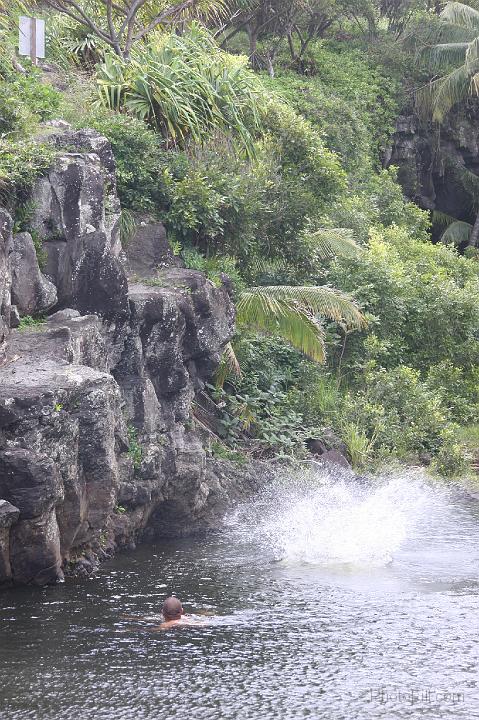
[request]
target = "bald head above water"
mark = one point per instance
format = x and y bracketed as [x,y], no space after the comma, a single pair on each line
[172,608]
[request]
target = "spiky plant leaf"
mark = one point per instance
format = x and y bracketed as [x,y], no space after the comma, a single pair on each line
[187,87]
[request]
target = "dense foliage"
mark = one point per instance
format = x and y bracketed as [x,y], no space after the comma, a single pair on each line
[266,162]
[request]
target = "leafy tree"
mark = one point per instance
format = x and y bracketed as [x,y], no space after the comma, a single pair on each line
[121,25]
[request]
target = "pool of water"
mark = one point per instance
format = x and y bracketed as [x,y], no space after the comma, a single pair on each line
[329,600]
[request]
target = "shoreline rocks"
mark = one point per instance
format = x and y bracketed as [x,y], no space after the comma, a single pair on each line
[97,445]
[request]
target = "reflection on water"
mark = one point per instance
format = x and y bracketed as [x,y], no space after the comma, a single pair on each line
[331,600]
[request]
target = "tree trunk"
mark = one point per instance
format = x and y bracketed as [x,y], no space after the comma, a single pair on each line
[474,238]
[253,39]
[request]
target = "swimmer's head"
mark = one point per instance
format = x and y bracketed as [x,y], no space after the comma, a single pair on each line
[172,608]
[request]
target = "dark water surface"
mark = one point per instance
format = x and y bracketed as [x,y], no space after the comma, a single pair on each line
[329,601]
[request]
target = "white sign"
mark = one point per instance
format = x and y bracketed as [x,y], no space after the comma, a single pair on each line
[31,37]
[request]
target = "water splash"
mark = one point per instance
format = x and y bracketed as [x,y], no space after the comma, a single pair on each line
[328,518]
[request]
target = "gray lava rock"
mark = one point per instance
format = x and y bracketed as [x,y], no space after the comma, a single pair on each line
[148,250]
[426,160]
[32,293]
[99,281]
[334,457]
[14,317]
[97,447]
[6,224]
[8,516]
[77,214]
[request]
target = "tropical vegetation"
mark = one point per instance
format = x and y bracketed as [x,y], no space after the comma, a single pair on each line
[259,134]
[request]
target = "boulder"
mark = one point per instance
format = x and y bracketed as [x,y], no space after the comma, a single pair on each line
[148,250]
[99,282]
[68,199]
[32,293]
[8,516]
[77,215]
[334,457]
[183,322]
[62,431]
[14,317]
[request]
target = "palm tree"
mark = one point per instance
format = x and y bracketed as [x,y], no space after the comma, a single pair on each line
[293,312]
[461,27]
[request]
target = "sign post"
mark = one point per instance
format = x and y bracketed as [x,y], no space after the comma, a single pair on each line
[31,38]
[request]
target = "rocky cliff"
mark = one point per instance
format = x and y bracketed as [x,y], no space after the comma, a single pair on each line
[97,443]
[438,164]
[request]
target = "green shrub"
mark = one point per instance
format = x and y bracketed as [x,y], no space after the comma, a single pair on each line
[31,323]
[450,461]
[421,298]
[396,414]
[135,450]
[21,162]
[459,389]
[339,121]
[213,267]
[24,101]
[138,157]
[302,155]
[349,95]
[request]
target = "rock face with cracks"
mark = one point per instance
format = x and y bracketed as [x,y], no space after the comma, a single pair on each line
[97,441]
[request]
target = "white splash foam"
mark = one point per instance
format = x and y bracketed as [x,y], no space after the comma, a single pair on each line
[329,519]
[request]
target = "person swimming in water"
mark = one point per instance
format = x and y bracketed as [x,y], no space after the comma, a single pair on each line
[173,615]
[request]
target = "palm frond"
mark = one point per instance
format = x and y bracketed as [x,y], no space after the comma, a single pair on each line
[292,313]
[290,321]
[228,366]
[317,300]
[446,54]
[442,219]
[460,14]
[449,33]
[439,96]
[302,331]
[331,242]
[468,180]
[457,233]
